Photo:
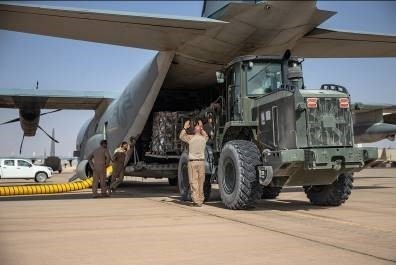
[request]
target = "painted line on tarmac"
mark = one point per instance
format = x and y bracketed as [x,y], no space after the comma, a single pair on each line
[272,230]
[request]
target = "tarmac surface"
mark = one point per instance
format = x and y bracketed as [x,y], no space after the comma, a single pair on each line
[145,223]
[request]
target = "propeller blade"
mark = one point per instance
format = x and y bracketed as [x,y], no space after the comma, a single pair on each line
[20,147]
[18,119]
[52,111]
[10,121]
[52,138]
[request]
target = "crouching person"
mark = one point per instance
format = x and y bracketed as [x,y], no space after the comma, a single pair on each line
[118,165]
[119,160]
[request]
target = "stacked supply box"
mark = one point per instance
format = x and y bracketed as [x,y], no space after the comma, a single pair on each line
[165,137]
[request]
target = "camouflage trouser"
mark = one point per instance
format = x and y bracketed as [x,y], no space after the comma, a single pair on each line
[118,176]
[99,175]
[196,175]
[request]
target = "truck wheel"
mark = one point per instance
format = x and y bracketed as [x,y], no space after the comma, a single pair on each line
[172,181]
[270,192]
[334,194]
[237,178]
[41,177]
[182,177]
[184,183]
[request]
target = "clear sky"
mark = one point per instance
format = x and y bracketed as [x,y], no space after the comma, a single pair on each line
[77,65]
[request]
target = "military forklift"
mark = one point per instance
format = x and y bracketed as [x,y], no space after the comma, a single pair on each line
[271,132]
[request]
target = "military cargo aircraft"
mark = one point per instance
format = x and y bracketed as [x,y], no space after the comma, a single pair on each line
[181,77]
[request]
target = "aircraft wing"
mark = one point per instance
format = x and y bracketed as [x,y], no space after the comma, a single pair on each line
[362,107]
[147,31]
[203,45]
[374,113]
[374,122]
[54,99]
[325,43]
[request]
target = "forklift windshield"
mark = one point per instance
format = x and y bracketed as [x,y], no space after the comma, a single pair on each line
[263,78]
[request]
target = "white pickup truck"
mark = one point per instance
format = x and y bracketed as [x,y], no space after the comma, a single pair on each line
[23,169]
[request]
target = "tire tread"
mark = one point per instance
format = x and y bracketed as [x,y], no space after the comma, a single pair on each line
[271,192]
[334,194]
[250,190]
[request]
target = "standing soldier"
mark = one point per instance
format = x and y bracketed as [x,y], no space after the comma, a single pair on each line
[196,164]
[99,160]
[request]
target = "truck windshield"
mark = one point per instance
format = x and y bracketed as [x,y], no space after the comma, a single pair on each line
[263,77]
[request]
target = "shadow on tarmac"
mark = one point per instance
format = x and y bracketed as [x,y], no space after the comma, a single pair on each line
[137,189]
[372,187]
[374,177]
[261,205]
[276,204]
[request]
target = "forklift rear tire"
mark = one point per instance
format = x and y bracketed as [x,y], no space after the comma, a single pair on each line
[182,178]
[184,183]
[270,192]
[334,194]
[237,178]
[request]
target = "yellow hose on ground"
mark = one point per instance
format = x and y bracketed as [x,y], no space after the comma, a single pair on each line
[109,170]
[49,188]
[45,188]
